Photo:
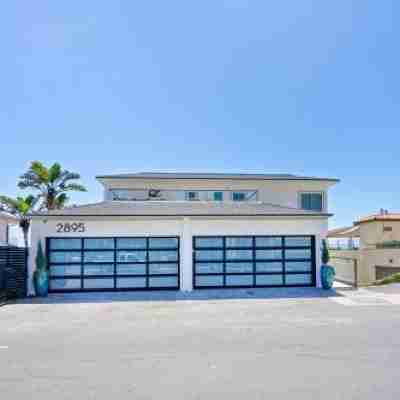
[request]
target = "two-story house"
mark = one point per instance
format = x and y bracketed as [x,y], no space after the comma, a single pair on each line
[184,231]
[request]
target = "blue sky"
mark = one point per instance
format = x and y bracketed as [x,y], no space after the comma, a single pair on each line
[305,87]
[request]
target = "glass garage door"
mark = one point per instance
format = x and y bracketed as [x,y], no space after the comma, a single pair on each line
[253,261]
[112,264]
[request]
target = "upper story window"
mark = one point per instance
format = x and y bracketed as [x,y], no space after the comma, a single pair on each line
[218,196]
[313,201]
[191,196]
[244,195]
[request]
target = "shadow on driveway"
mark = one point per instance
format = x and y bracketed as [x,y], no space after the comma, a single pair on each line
[220,294]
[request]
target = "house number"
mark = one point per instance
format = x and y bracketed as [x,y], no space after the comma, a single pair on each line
[71,227]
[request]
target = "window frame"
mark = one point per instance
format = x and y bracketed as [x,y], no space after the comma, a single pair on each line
[254,196]
[187,195]
[323,199]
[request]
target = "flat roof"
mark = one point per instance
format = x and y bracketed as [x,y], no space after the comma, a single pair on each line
[207,175]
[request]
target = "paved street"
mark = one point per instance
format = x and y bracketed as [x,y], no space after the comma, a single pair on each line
[253,345]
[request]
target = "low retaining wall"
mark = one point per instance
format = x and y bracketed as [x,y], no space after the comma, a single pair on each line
[346,264]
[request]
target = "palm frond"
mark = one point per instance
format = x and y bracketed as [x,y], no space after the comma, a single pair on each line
[68,176]
[54,172]
[76,187]
[61,200]
[8,201]
[40,170]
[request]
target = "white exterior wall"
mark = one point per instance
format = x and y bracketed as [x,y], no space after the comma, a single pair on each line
[284,193]
[185,228]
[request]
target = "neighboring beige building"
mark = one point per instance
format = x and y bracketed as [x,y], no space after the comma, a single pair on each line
[5,221]
[374,241]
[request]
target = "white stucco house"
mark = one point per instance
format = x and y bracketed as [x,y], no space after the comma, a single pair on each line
[185,231]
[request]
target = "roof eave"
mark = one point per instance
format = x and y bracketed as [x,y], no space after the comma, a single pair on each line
[239,178]
[180,215]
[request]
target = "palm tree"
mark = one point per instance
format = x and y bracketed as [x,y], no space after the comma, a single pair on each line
[21,207]
[53,183]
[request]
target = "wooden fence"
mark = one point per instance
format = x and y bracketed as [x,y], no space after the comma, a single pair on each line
[13,272]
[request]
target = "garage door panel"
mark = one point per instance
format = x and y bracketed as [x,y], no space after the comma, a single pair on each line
[269,280]
[131,269]
[206,268]
[65,284]
[65,257]
[239,280]
[131,283]
[98,283]
[298,279]
[131,256]
[274,266]
[113,263]
[98,256]
[163,281]
[240,267]
[251,261]
[98,269]
[209,281]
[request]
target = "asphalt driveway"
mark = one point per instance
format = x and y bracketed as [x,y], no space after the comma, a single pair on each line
[247,346]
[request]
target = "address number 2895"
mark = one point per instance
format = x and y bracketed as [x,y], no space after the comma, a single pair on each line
[71,227]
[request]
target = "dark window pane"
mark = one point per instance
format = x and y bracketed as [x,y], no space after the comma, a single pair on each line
[218,196]
[269,266]
[68,244]
[99,256]
[163,268]
[239,242]
[163,255]
[296,254]
[131,243]
[239,280]
[311,201]
[239,267]
[131,256]
[204,255]
[238,196]
[215,242]
[297,241]
[105,243]
[65,270]
[65,257]
[239,254]
[131,269]
[268,242]
[209,268]
[210,280]
[266,280]
[98,269]
[268,254]
[163,243]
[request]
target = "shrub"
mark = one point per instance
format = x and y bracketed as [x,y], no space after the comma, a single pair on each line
[325,252]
